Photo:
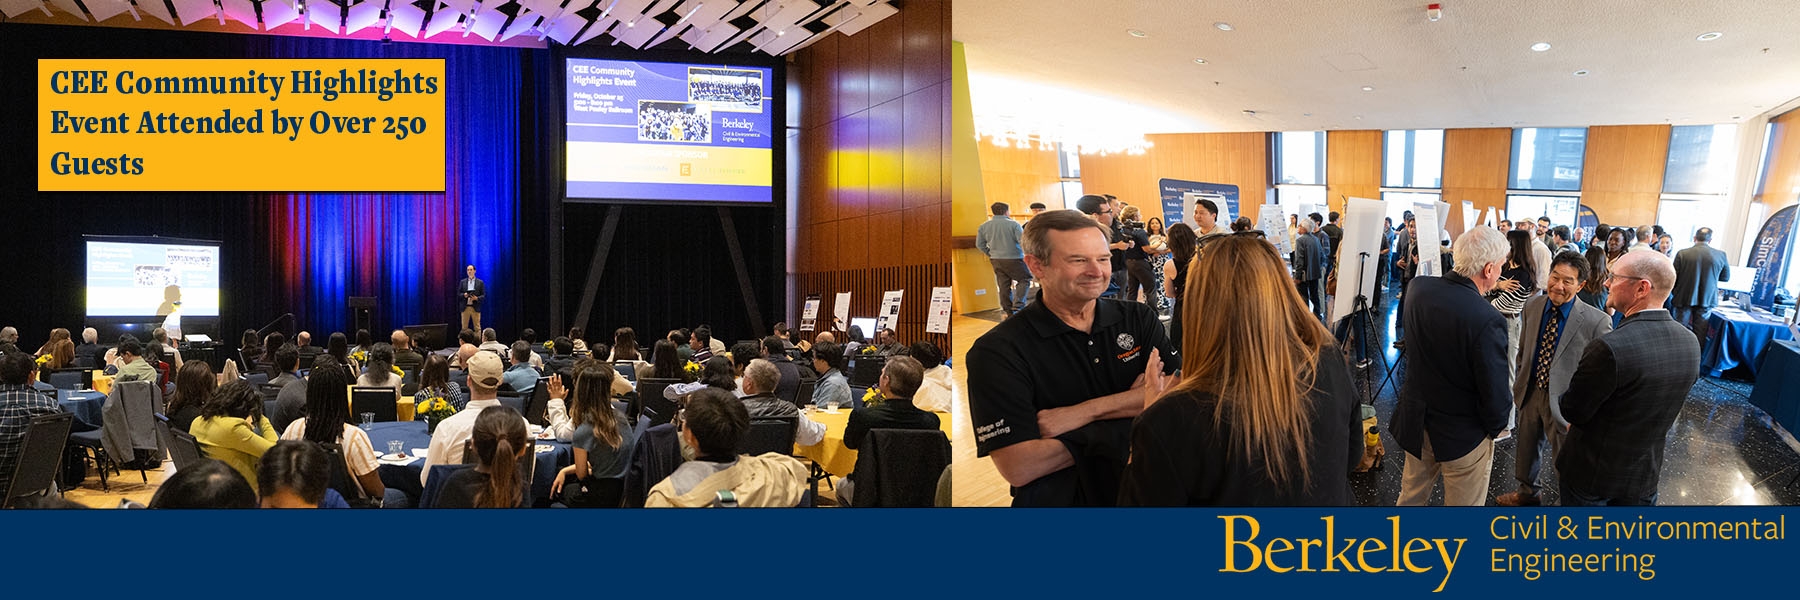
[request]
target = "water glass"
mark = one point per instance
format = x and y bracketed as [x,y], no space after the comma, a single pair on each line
[368,419]
[831,405]
[395,446]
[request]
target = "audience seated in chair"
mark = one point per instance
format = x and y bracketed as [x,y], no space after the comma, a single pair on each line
[759,381]
[833,387]
[327,421]
[194,384]
[519,373]
[499,441]
[296,474]
[935,389]
[899,382]
[434,382]
[484,384]
[18,404]
[132,366]
[405,357]
[209,484]
[379,370]
[602,439]
[714,424]
[232,428]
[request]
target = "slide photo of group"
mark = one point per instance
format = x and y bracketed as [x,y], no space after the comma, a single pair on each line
[671,121]
[726,90]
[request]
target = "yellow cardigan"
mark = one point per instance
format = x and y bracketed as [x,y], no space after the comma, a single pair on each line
[231,439]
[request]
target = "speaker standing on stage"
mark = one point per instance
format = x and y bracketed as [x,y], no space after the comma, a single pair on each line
[471,291]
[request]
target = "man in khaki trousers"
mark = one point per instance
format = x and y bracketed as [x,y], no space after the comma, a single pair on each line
[470,291]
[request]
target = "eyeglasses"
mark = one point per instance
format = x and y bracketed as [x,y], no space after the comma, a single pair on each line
[1611,276]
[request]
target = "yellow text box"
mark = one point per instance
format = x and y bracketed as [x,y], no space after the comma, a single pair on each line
[668,163]
[266,125]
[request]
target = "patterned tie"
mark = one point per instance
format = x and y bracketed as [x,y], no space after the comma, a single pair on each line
[1546,349]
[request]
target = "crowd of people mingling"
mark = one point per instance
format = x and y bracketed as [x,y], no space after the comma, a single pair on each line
[1083,397]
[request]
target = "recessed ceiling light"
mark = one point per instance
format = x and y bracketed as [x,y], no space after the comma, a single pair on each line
[1710,36]
[1581,73]
[1137,33]
[1734,118]
[1223,26]
[1540,46]
[1359,117]
[1306,114]
[1368,88]
[1200,60]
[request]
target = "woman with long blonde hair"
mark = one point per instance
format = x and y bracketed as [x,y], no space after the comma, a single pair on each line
[1265,413]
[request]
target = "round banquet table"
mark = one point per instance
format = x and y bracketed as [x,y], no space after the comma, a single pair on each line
[552,456]
[1736,338]
[85,405]
[830,453]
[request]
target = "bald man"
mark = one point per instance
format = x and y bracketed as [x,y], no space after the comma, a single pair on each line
[1627,391]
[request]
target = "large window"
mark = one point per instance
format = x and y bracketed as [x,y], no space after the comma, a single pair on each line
[1300,157]
[1414,159]
[1547,159]
[1300,199]
[1702,160]
[1560,209]
[1698,180]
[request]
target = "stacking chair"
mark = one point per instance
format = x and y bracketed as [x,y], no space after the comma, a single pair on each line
[805,395]
[627,371]
[69,379]
[378,400]
[256,378]
[40,454]
[650,393]
[127,427]
[269,391]
[900,467]
[184,450]
[867,371]
[341,480]
[527,466]
[538,403]
[769,434]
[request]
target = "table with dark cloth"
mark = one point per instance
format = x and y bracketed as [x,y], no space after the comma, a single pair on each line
[1777,389]
[85,406]
[412,435]
[1736,339]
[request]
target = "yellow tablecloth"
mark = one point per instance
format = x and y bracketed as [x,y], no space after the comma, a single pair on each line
[830,453]
[102,382]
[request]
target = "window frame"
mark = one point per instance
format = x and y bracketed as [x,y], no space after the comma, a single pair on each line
[1410,163]
[1319,158]
[1512,167]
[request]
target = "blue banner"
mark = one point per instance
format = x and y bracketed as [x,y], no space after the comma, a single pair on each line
[1770,256]
[1010,553]
[1587,219]
[1175,204]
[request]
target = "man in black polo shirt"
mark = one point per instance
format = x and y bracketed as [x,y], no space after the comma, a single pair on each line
[1052,391]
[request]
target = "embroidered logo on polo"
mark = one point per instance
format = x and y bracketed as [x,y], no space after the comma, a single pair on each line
[1125,341]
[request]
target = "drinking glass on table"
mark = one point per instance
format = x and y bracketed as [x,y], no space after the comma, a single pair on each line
[831,405]
[395,446]
[368,419]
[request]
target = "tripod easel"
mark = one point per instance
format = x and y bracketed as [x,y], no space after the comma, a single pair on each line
[1360,310]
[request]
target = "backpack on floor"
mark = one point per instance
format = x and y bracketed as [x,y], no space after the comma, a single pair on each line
[73,470]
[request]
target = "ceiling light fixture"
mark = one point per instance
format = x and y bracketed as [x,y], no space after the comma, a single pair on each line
[1709,36]
[1540,46]
[1249,113]
[1223,26]
[1200,61]
[1368,88]
[1137,33]
[1359,117]
[1581,73]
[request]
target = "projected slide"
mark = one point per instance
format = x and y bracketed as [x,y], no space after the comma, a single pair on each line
[668,131]
[151,280]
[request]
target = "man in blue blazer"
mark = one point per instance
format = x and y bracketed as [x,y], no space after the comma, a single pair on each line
[1627,391]
[1556,330]
[1455,398]
[470,291]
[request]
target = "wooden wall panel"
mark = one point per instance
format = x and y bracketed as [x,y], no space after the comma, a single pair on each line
[1622,175]
[1781,176]
[1352,166]
[1019,176]
[874,204]
[1476,165]
[1240,159]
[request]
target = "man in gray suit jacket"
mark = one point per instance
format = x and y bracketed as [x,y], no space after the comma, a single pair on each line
[1627,391]
[1556,330]
[1309,266]
[1698,271]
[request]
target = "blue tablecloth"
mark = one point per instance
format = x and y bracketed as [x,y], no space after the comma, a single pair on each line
[1736,339]
[412,435]
[1778,387]
[84,405]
